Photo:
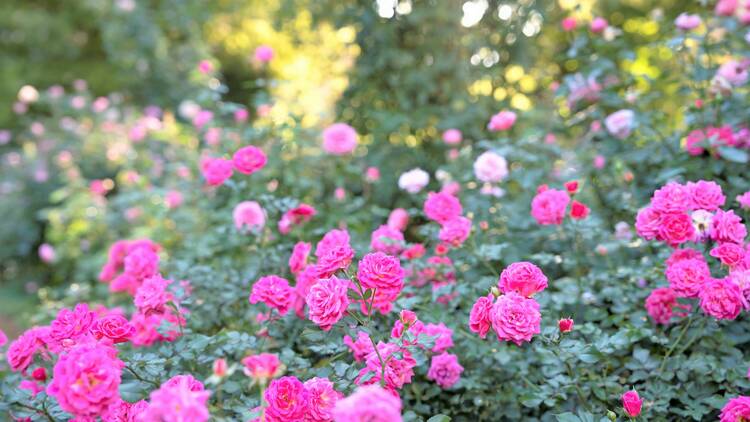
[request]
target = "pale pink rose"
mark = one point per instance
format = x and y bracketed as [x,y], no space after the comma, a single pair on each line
[413,180]
[479,318]
[727,227]
[687,22]
[287,399]
[445,370]
[274,292]
[249,159]
[442,207]
[340,139]
[515,318]
[216,170]
[726,7]
[47,253]
[744,200]
[455,231]
[501,121]
[250,215]
[264,53]
[548,207]
[205,67]
[372,174]
[263,366]
[598,25]
[490,167]
[687,276]
[339,194]
[323,399]
[369,403]
[398,219]
[327,302]
[600,161]
[722,299]
[298,259]
[444,336]
[733,72]
[452,137]
[202,118]
[620,123]
[173,199]
[522,277]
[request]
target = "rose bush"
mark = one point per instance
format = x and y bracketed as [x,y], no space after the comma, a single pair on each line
[593,270]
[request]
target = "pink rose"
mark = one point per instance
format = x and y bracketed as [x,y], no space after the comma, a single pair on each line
[676,228]
[330,241]
[620,123]
[479,318]
[647,223]
[72,324]
[263,53]
[705,195]
[372,174]
[490,167]
[730,254]
[383,274]
[298,259]
[722,299]
[569,24]
[524,278]
[398,371]
[452,137]
[501,121]
[296,216]
[263,366]
[152,296]
[323,399]
[661,303]
[687,277]
[173,199]
[727,227]
[682,254]
[178,399]
[114,327]
[445,370]
[632,403]
[47,253]
[441,207]
[733,72]
[339,139]
[241,115]
[744,200]
[249,159]
[565,325]
[444,339]
[21,351]
[327,302]
[398,219]
[598,25]
[515,318]
[736,409]
[274,292]
[288,400]
[250,215]
[687,22]
[455,231]
[216,170]
[369,403]
[94,370]
[548,207]
[336,259]
[361,347]
[388,240]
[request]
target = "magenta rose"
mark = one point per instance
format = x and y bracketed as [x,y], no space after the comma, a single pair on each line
[676,228]
[327,302]
[515,318]
[288,400]
[632,403]
[323,398]
[730,254]
[722,299]
[114,327]
[369,403]
[647,223]
[727,227]
[686,277]
[274,291]
[216,170]
[548,207]
[445,370]
[383,274]
[479,318]
[455,231]
[522,277]
[705,195]
[736,409]
[298,259]
[442,207]
[249,159]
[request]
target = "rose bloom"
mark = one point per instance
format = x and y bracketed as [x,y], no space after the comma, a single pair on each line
[369,403]
[399,367]
[730,254]
[141,263]
[744,200]
[72,324]
[114,327]
[386,239]
[241,115]
[490,167]
[620,123]
[413,180]
[327,302]
[673,197]
[660,305]
[501,121]
[288,400]
[548,207]
[682,254]
[86,379]
[676,228]
[565,325]
[725,7]
[298,259]
[647,223]
[178,400]
[249,159]
[600,161]
[722,299]
[632,403]
[705,195]
[398,219]
[372,174]
[687,22]
[569,24]
[330,241]
[479,318]
[47,253]
[452,137]
[21,351]
[688,276]
[455,231]
[173,199]
[249,214]
[361,347]
[274,291]
[736,409]
[152,296]
[339,139]
[727,227]
[263,366]
[216,170]
[414,251]
[598,25]
[296,216]
[515,318]
[323,398]
[522,277]
[733,72]
[263,53]
[3,338]
[336,259]
[384,274]
[579,211]
[441,207]
[445,370]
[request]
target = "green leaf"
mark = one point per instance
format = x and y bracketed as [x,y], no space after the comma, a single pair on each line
[734,154]
[439,418]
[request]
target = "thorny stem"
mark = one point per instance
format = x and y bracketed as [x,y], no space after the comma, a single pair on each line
[369,319]
[139,378]
[42,411]
[674,345]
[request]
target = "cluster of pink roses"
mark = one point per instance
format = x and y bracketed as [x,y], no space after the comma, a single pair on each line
[445,209]
[549,206]
[129,263]
[246,160]
[691,213]
[711,138]
[513,314]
